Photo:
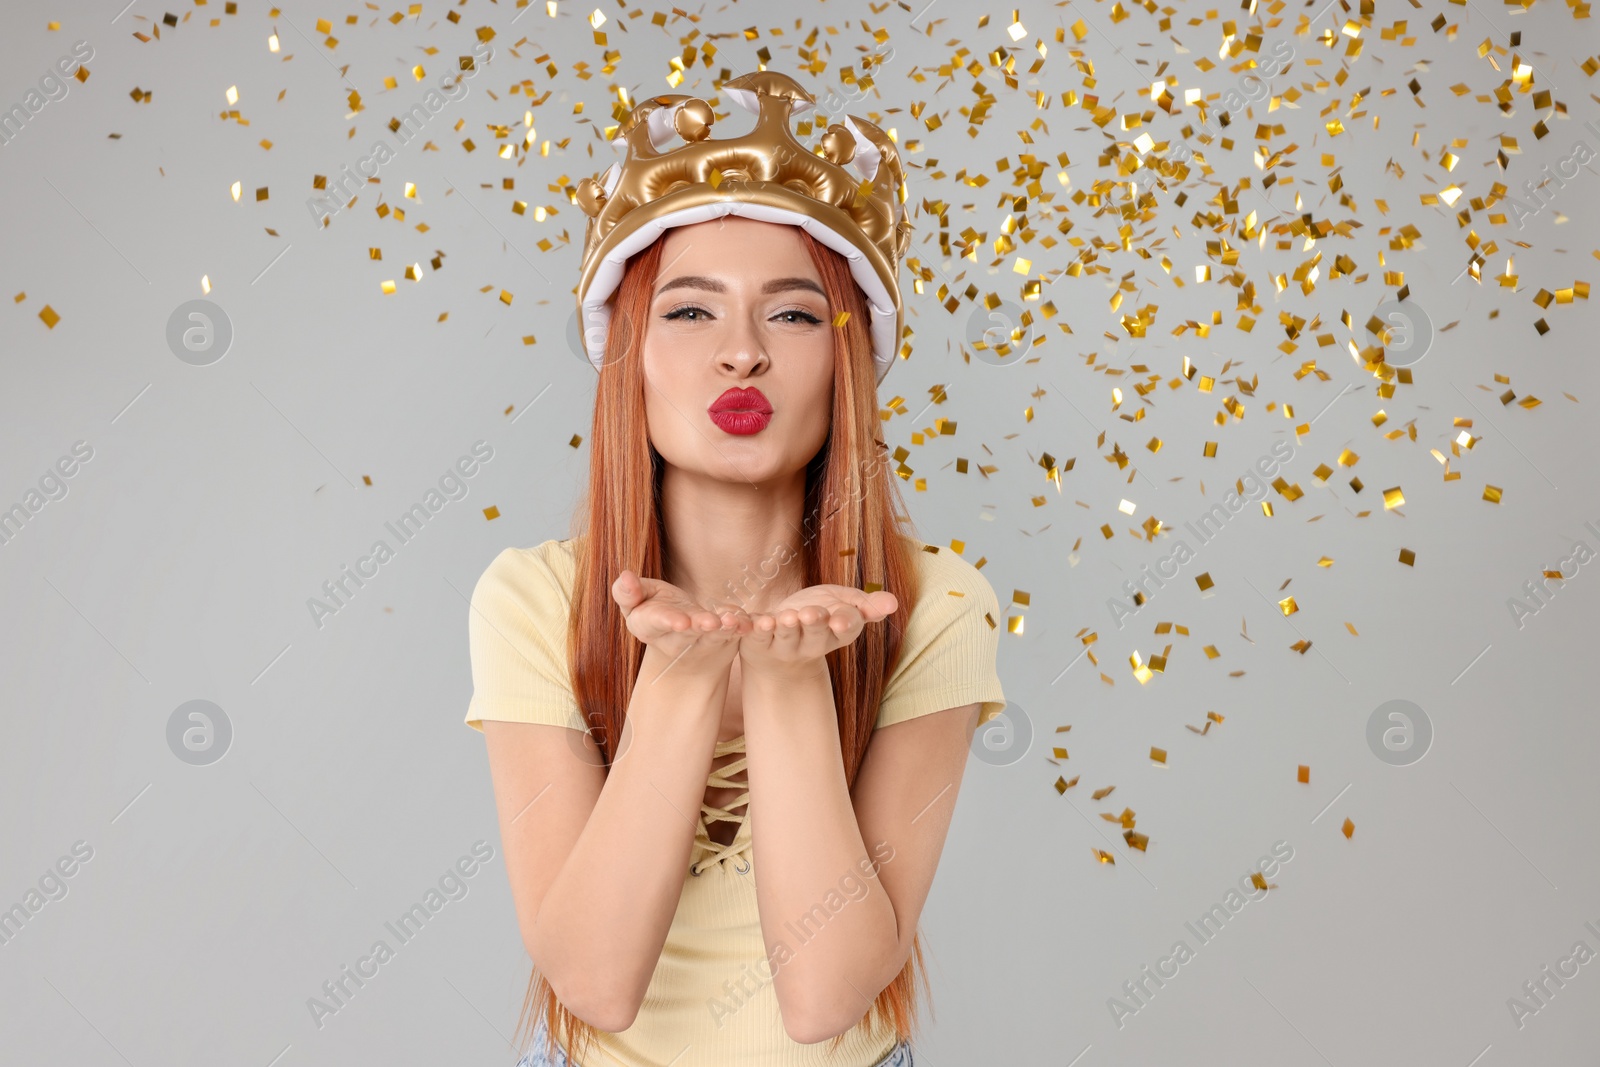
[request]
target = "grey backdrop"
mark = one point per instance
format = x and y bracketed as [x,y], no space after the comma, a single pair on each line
[176,562]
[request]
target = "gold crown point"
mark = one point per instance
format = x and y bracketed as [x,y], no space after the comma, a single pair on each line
[591,197]
[693,120]
[838,145]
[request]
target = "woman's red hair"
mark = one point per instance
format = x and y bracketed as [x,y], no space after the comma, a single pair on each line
[855,534]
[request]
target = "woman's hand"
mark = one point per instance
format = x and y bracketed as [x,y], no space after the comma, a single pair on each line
[666,619]
[799,633]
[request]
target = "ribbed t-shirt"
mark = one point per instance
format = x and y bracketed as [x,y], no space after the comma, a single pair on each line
[711,993]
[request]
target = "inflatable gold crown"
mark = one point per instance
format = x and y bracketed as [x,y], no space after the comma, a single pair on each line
[849,195]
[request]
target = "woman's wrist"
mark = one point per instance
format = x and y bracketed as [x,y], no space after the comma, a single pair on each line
[692,665]
[763,671]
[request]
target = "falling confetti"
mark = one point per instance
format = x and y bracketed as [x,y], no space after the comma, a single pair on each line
[1173,187]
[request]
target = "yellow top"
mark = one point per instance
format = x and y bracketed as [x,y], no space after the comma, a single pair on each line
[711,999]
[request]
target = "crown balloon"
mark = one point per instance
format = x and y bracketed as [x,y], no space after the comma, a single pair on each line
[849,194]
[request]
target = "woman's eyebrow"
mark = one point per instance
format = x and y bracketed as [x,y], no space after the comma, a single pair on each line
[781,285]
[776,285]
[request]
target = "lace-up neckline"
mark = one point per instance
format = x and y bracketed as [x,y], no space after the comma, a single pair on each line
[708,853]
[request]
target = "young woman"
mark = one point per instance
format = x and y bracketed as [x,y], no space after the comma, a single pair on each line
[727,720]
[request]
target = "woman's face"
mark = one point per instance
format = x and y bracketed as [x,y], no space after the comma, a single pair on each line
[738,306]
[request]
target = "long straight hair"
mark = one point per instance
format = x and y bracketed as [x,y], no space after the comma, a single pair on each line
[856,534]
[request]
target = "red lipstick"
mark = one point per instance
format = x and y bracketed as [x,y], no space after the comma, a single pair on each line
[741,411]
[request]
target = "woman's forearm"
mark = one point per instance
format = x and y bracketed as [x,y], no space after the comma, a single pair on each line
[604,919]
[809,844]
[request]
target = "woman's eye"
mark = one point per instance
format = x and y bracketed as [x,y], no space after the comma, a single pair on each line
[684,313]
[797,315]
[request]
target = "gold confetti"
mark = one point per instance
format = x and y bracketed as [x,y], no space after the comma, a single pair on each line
[1349,828]
[491,512]
[1304,775]
[1188,166]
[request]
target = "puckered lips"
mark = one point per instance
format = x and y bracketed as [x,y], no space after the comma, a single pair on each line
[741,411]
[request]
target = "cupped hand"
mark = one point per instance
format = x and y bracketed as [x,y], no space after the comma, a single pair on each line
[801,630]
[670,621]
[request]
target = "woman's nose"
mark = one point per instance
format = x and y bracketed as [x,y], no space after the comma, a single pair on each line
[742,347]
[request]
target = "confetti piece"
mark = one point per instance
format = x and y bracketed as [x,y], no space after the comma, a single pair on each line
[1348,828]
[1304,775]
[491,512]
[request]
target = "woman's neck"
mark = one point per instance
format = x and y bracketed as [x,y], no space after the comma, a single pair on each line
[733,542]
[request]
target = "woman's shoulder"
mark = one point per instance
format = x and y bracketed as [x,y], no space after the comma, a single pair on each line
[535,575]
[945,574]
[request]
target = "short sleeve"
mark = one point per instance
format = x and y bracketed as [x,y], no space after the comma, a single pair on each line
[952,642]
[516,634]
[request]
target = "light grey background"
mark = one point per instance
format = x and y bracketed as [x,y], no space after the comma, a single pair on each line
[219,898]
